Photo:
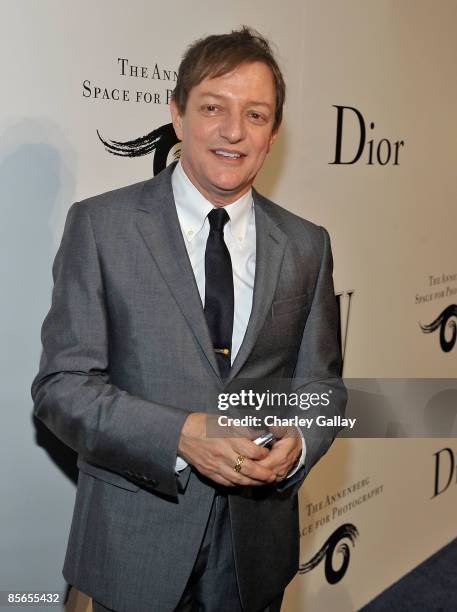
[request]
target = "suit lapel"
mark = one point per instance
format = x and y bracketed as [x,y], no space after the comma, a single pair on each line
[270,246]
[159,226]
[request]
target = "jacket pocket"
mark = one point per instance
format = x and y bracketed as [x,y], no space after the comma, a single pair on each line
[290,305]
[110,477]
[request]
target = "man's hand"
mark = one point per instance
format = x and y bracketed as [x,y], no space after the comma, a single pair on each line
[284,453]
[215,457]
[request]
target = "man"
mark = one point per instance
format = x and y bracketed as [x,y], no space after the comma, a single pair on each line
[166,292]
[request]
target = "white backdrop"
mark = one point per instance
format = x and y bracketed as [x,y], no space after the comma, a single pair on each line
[392,229]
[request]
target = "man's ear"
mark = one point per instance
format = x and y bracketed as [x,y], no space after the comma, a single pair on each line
[176,119]
[273,136]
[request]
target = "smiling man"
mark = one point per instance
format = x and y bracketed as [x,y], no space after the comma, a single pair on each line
[165,293]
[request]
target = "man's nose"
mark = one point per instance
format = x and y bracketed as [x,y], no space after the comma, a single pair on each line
[233,127]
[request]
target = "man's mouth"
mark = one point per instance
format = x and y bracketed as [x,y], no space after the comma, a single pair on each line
[228,154]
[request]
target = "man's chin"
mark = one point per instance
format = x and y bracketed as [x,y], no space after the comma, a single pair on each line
[230,193]
[231,185]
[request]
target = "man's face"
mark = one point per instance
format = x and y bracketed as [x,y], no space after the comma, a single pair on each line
[227,130]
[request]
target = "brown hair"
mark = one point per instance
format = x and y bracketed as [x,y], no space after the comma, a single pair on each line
[217,55]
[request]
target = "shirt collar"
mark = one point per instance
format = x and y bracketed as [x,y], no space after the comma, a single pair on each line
[193,208]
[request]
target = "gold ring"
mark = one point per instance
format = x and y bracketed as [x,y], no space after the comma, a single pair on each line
[239,463]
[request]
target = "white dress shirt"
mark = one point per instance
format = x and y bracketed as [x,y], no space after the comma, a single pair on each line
[239,236]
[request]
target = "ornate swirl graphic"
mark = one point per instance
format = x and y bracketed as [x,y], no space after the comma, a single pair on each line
[161,140]
[333,576]
[443,322]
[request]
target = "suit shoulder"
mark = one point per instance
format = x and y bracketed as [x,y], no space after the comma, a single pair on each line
[292,224]
[125,199]
[122,198]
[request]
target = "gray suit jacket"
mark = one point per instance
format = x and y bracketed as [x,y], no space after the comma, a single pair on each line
[127,354]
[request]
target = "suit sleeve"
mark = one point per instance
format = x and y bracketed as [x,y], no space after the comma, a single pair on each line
[318,368]
[72,392]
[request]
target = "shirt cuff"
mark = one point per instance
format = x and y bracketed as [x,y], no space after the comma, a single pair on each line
[301,462]
[180,464]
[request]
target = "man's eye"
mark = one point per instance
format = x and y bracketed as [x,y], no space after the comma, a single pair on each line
[256,116]
[210,108]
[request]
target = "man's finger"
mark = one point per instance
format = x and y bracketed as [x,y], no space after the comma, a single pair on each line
[237,478]
[254,471]
[283,455]
[275,457]
[221,480]
[247,448]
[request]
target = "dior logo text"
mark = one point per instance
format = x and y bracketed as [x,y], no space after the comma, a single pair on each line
[375,151]
[445,470]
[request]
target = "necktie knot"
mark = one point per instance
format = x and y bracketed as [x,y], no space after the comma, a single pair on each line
[217,218]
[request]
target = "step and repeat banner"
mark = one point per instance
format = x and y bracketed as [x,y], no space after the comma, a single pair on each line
[367,149]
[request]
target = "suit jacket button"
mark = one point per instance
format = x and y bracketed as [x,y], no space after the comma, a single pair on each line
[153,482]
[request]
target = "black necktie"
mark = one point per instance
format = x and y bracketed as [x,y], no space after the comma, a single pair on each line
[219,299]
